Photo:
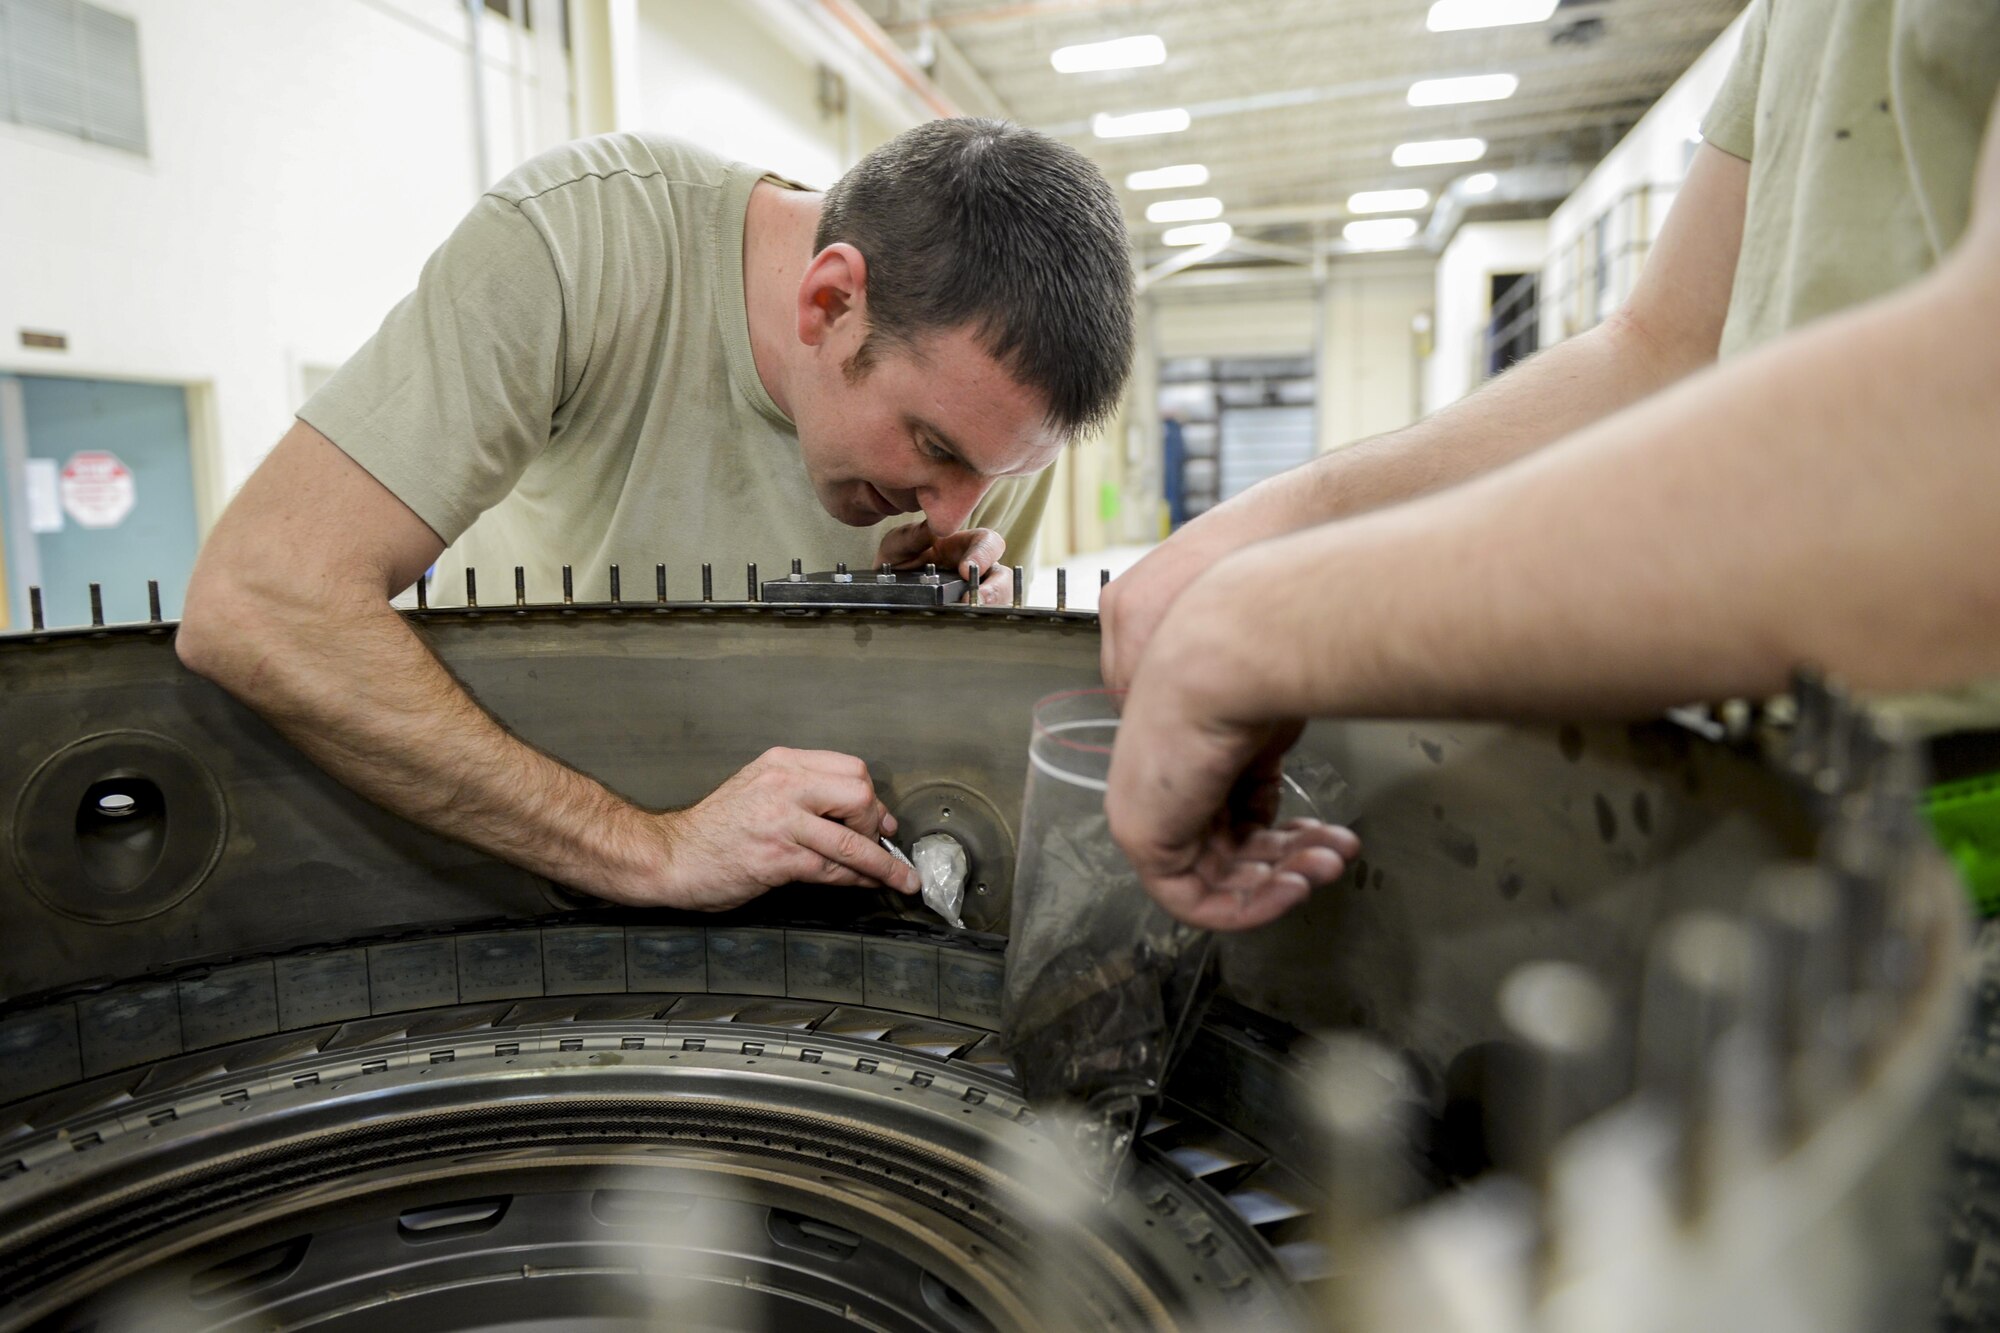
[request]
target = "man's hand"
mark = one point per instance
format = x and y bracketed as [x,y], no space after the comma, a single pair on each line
[1193,795]
[790,816]
[1131,607]
[913,545]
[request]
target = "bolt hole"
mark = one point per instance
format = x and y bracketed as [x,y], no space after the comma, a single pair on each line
[981,889]
[121,826]
[945,813]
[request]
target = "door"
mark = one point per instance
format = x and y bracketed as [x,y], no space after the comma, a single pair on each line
[1260,442]
[96,486]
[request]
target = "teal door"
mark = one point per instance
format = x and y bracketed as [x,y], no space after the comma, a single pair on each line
[96,486]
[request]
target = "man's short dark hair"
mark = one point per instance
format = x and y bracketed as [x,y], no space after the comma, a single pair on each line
[986,224]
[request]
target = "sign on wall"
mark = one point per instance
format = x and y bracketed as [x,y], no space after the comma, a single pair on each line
[97,489]
[44,496]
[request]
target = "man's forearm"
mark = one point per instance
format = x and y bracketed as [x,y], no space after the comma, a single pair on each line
[353,686]
[1536,403]
[1833,499]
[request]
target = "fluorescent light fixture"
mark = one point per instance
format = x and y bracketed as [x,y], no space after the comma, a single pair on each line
[1387,201]
[1479,183]
[1118,53]
[1139,122]
[1434,152]
[1202,233]
[1184,210]
[1380,231]
[1184,177]
[1454,15]
[1472,88]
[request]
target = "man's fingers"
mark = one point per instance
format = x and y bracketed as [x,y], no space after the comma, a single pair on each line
[1317,866]
[1306,848]
[861,854]
[849,800]
[833,785]
[1273,844]
[836,785]
[997,588]
[902,546]
[807,867]
[974,546]
[1342,840]
[1194,901]
[825,761]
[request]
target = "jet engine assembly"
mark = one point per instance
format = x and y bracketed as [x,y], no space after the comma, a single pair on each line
[1612,1027]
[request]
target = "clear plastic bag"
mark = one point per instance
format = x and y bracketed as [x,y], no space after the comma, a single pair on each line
[1102,987]
[1104,990]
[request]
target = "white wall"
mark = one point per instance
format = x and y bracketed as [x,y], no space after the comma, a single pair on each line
[1195,322]
[719,75]
[305,159]
[1464,301]
[1361,322]
[1629,194]
[739,78]
[1368,368]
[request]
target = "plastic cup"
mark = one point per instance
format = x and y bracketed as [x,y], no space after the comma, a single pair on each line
[1102,986]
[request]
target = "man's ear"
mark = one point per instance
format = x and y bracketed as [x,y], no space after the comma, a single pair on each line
[833,294]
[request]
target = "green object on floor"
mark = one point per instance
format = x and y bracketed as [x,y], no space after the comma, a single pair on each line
[1965,818]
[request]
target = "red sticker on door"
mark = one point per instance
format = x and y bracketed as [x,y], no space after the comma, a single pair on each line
[97,489]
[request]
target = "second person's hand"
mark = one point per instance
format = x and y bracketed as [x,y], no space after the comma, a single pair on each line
[1193,793]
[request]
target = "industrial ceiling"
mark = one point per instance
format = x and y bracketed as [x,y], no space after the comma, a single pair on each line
[1295,105]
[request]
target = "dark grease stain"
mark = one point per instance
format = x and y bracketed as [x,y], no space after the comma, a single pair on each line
[863,633]
[1882,105]
[1433,751]
[1570,738]
[1511,883]
[1459,845]
[1359,874]
[1642,813]
[1843,134]
[1607,818]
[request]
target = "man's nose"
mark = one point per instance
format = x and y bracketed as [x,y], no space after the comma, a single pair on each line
[949,504]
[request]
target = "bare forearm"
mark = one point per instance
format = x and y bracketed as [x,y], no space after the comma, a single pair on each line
[1538,402]
[353,686]
[1833,499]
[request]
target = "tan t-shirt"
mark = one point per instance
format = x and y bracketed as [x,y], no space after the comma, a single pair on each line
[1862,122]
[571,383]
